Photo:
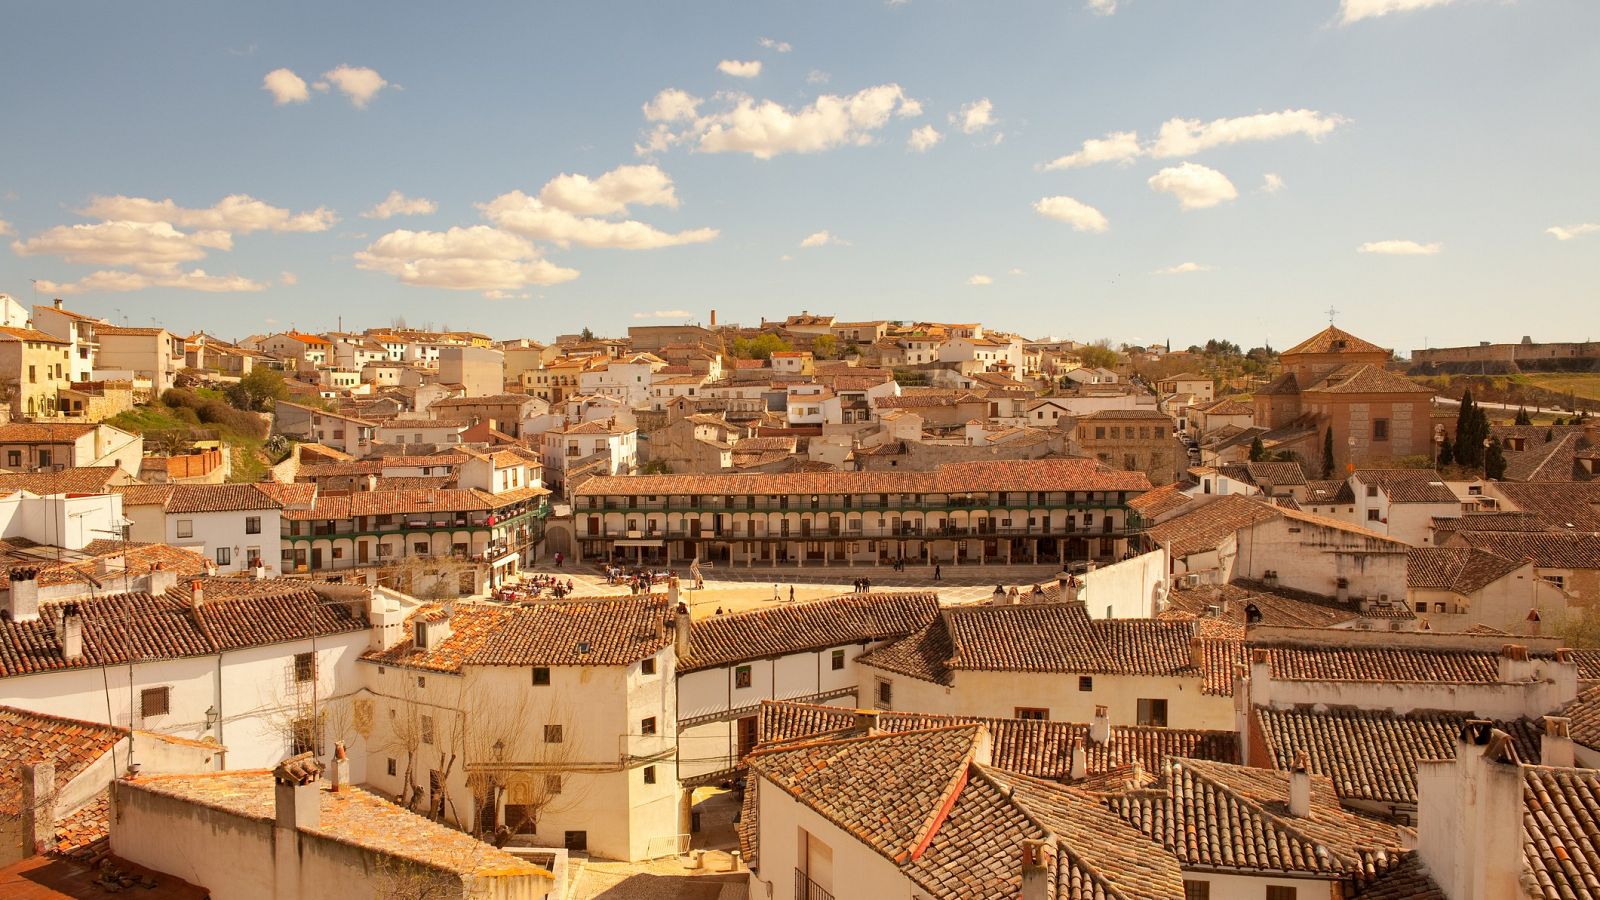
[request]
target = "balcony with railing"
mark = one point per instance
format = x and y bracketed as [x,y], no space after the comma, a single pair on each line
[1133,524]
[806,889]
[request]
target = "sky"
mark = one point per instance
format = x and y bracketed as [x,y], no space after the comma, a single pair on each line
[1141,170]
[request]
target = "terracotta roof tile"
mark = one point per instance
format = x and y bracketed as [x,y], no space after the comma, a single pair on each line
[1561,859]
[1459,569]
[988,475]
[849,619]
[71,745]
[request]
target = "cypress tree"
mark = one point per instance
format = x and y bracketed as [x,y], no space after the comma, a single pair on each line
[1446,452]
[1522,416]
[1257,450]
[1494,462]
[1327,453]
[1549,435]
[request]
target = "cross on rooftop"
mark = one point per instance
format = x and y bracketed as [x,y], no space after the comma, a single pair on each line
[1331,313]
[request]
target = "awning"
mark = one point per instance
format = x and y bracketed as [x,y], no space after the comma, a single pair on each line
[638,543]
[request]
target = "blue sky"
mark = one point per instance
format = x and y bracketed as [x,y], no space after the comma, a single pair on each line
[1419,158]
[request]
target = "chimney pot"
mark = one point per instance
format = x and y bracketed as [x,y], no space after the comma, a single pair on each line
[197,593]
[1300,786]
[681,627]
[296,792]
[23,604]
[867,720]
[1100,728]
[38,808]
[1038,869]
[1197,653]
[1555,745]
[71,633]
[1080,761]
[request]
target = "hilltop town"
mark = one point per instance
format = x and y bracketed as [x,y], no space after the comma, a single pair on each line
[808,608]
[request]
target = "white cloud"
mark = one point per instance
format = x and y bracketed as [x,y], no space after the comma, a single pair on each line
[146,244]
[786,258]
[612,192]
[773,44]
[980,280]
[664,314]
[817,76]
[1184,269]
[1081,216]
[740,69]
[1016,272]
[974,117]
[1559,232]
[1400,248]
[672,105]
[398,204]
[923,139]
[1271,183]
[765,128]
[1195,186]
[822,239]
[1184,137]
[532,218]
[1356,10]
[358,83]
[121,282]
[6,227]
[288,279]
[237,213]
[1118,146]
[477,258]
[1102,7]
[285,87]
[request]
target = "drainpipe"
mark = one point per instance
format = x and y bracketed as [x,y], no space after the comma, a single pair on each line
[218,695]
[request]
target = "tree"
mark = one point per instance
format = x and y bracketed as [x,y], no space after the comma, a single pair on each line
[1522,416]
[1447,454]
[1494,461]
[1257,449]
[1098,355]
[825,346]
[1472,429]
[587,333]
[1327,453]
[1549,435]
[762,346]
[261,388]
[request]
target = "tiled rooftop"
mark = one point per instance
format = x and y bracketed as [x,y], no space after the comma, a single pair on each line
[793,628]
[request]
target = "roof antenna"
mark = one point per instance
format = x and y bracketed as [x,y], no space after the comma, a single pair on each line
[1331,313]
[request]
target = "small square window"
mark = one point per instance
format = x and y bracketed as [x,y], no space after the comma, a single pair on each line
[1152,712]
[1196,890]
[422,681]
[649,774]
[1422,606]
[1033,713]
[1438,607]
[155,701]
[541,676]
[1085,682]
[648,725]
[1277,892]
[885,693]
[186,528]
[552,784]
[224,556]
[305,667]
[552,734]
[391,767]
[838,660]
[648,666]
[1372,515]
[252,525]
[741,677]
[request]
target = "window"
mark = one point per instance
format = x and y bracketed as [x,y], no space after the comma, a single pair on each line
[1372,490]
[1085,682]
[1372,515]
[1153,712]
[552,784]
[427,730]
[1559,581]
[186,528]
[1032,713]
[420,548]
[541,676]
[1275,892]
[155,701]
[1422,607]
[647,725]
[1380,429]
[1196,890]
[305,667]
[252,524]
[647,666]
[224,555]
[422,681]
[837,661]
[14,459]
[391,767]
[1438,607]
[649,774]
[741,677]
[885,693]
[552,734]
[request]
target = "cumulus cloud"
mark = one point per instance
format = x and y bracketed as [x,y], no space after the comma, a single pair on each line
[1184,137]
[1081,216]
[740,69]
[775,45]
[766,128]
[398,204]
[1184,269]
[1195,186]
[612,192]
[530,217]
[817,76]
[664,314]
[285,87]
[1400,248]
[1271,183]
[1356,10]
[821,239]
[146,244]
[358,83]
[974,117]
[121,282]
[980,280]
[1118,146]
[6,228]
[1559,232]
[288,279]
[1102,7]
[924,139]
[477,258]
[236,213]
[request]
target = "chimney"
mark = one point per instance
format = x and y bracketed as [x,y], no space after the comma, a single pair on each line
[23,604]
[38,808]
[1038,869]
[296,792]
[1300,786]
[161,580]
[197,593]
[71,635]
[682,624]
[1515,666]
[867,721]
[713,318]
[1533,623]
[1555,745]
[1080,761]
[672,590]
[1100,728]
[341,768]
[57,302]
[1197,654]
[259,573]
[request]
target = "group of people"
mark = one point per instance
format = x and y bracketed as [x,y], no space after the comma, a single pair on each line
[863,585]
[532,587]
